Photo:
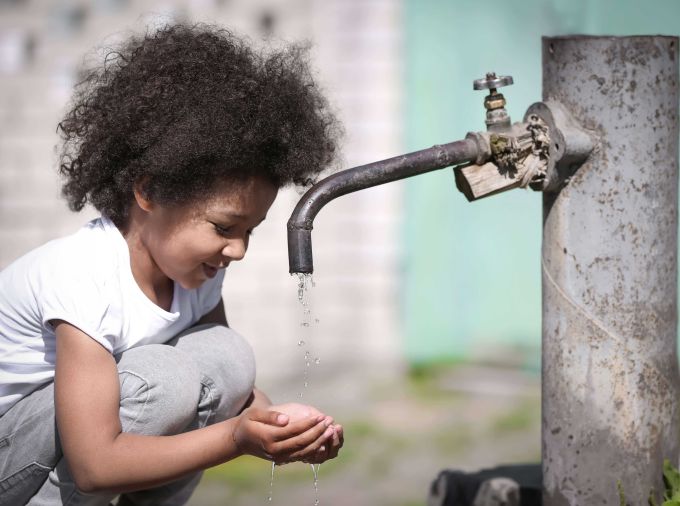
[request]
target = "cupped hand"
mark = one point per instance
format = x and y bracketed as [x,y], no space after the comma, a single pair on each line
[330,446]
[297,411]
[273,435]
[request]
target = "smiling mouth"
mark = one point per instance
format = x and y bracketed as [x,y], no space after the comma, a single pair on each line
[210,271]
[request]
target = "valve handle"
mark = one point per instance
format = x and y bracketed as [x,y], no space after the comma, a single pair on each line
[491,82]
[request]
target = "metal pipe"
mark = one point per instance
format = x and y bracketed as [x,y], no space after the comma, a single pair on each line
[609,274]
[347,181]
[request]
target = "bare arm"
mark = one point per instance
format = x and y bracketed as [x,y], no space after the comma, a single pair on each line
[103,458]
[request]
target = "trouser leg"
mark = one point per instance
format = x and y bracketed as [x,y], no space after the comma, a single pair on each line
[204,376]
[227,368]
[29,446]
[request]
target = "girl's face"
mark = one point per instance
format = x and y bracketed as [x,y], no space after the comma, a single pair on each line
[190,243]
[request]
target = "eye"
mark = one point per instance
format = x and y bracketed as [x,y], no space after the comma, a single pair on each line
[223,231]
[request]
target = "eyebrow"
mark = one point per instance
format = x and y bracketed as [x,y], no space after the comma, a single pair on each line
[240,217]
[233,215]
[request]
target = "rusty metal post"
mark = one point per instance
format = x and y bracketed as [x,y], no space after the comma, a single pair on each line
[609,263]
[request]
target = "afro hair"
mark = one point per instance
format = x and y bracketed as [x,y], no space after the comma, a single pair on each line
[186,107]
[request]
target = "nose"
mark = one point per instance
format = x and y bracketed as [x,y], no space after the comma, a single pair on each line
[235,249]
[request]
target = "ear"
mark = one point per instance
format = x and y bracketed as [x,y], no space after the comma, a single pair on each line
[140,196]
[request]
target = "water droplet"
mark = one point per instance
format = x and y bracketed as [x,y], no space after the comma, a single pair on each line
[301,342]
[304,324]
[306,384]
[317,360]
[316,320]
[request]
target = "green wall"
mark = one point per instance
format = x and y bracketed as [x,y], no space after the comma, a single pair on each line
[472,270]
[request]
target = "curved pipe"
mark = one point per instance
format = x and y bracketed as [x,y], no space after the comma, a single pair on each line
[347,181]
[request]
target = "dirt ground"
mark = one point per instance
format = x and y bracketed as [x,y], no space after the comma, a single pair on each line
[400,431]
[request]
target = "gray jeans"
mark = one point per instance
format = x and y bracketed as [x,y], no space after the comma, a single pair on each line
[203,376]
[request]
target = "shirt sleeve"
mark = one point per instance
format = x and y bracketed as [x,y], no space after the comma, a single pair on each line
[210,293]
[82,299]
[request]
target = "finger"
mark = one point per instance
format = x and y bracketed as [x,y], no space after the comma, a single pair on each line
[297,428]
[308,447]
[329,449]
[268,417]
[335,449]
[308,442]
[336,436]
[305,445]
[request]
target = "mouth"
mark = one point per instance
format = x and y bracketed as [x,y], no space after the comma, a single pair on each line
[210,271]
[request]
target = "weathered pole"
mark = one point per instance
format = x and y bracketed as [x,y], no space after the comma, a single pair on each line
[609,263]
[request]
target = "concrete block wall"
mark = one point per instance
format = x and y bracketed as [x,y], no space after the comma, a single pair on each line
[356,52]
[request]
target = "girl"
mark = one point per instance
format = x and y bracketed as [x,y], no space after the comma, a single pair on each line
[118,372]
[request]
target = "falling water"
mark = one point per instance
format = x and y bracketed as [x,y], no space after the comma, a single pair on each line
[315,470]
[271,484]
[304,283]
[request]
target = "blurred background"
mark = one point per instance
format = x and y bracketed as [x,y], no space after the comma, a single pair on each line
[428,307]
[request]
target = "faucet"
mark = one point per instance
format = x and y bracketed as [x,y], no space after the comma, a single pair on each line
[347,181]
[485,163]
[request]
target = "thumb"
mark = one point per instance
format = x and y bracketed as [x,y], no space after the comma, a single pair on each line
[273,418]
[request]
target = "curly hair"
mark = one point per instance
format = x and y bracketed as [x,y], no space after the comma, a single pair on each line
[186,107]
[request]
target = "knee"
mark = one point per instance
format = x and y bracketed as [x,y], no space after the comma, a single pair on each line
[227,366]
[159,390]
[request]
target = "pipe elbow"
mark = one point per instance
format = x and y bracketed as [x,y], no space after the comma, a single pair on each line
[359,178]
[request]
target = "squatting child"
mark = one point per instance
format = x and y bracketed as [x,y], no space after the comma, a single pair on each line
[118,372]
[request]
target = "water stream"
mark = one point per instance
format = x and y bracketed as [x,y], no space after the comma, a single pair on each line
[271,483]
[315,470]
[305,282]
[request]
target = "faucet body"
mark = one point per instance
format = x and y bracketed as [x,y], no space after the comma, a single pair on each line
[347,181]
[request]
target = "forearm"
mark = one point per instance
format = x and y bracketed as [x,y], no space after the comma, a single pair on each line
[134,462]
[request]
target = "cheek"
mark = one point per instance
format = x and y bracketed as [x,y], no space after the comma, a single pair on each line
[182,255]
[198,249]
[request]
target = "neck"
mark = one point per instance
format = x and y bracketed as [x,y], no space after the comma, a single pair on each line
[151,280]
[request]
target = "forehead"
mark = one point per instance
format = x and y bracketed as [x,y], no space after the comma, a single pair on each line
[251,197]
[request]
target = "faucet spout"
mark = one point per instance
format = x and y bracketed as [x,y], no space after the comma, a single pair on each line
[347,181]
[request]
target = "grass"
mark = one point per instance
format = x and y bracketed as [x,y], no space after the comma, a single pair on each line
[243,474]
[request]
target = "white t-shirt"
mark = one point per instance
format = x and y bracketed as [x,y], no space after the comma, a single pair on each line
[86,280]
